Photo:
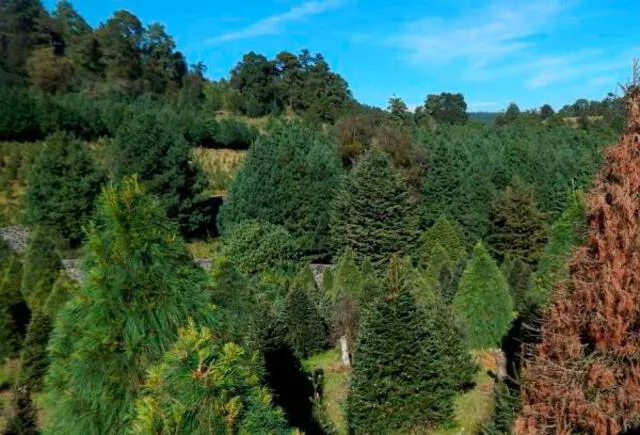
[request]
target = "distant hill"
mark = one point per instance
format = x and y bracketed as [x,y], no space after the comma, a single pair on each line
[486,117]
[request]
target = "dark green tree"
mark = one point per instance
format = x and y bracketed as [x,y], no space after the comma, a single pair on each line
[373,213]
[140,288]
[518,227]
[62,186]
[306,331]
[255,78]
[150,144]
[202,386]
[546,112]
[399,381]
[447,107]
[518,274]
[255,247]
[288,179]
[566,234]
[14,314]
[483,301]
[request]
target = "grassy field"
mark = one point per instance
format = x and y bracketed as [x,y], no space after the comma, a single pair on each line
[220,166]
[336,386]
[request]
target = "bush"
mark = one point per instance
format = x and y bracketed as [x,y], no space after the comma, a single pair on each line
[255,247]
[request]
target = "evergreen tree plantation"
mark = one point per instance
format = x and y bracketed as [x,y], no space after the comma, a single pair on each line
[252,249]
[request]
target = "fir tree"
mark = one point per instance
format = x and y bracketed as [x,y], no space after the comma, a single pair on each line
[149,143]
[287,179]
[483,301]
[62,186]
[306,331]
[443,233]
[518,227]
[140,288]
[398,381]
[373,213]
[202,386]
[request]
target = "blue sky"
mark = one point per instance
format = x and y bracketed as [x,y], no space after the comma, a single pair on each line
[494,52]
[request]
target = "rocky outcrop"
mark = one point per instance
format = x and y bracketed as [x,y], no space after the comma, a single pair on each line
[16,237]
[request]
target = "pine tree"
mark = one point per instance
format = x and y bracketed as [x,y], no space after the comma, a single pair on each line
[581,375]
[373,214]
[306,331]
[518,227]
[287,179]
[62,186]
[202,386]
[140,288]
[565,236]
[399,381]
[483,301]
[443,233]
[150,143]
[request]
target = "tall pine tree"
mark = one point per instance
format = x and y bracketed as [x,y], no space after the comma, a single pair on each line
[373,213]
[518,227]
[140,288]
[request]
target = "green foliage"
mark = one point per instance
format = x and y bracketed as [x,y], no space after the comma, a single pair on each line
[448,108]
[232,295]
[518,227]
[518,274]
[287,179]
[62,186]
[151,144]
[483,301]
[507,405]
[306,331]
[34,360]
[41,263]
[566,234]
[255,247]
[17,115]
[202,386]
[443,233]
[400,376]
[373,213]
[12,316]
[140,288]
[468,166]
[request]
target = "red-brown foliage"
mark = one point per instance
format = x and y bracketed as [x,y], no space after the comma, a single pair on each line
[584,376]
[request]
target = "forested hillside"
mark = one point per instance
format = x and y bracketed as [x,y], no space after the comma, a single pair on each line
[373,270]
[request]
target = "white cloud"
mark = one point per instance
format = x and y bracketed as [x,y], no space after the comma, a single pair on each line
[273,25]
[480,37]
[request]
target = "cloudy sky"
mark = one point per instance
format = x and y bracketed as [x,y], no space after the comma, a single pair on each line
[495,52]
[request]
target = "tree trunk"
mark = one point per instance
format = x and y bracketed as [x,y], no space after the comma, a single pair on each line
[344,347]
